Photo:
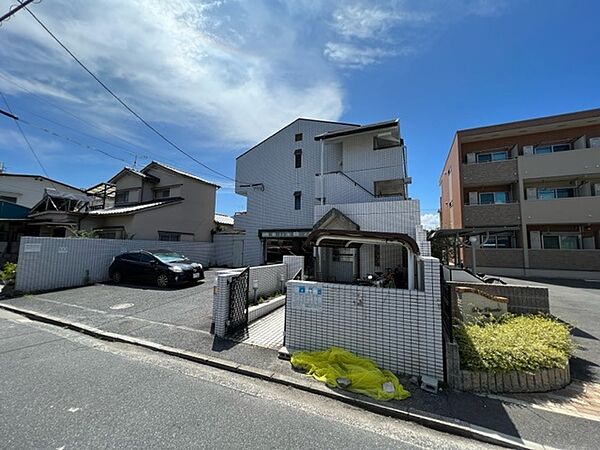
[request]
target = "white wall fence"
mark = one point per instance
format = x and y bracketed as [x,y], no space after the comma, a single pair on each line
[53,263]
[268,279]
[401,330]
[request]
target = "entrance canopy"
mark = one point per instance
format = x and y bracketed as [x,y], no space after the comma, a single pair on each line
[355,238]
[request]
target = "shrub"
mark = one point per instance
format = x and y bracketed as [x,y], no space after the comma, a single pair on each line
[8,272]
[514,343]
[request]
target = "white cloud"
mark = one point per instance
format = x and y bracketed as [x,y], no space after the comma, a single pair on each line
[350,55]
[430,221]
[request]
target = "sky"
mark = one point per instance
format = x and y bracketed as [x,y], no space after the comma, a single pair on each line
[216,77]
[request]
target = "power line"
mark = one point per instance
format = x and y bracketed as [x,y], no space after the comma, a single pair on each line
[16,121]
[14,9]
[125,105]
[75,116]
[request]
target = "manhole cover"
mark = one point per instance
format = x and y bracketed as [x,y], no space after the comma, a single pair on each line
[122,306]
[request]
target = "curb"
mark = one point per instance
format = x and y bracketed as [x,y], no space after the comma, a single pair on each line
[439,423]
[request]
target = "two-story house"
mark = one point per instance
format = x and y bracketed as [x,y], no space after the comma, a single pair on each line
[158,202]
[313,174]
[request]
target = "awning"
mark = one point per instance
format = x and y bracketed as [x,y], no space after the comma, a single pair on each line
[354,239]
[466,232]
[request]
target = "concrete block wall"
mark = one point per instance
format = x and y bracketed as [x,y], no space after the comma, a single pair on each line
[400,330]
[51,263]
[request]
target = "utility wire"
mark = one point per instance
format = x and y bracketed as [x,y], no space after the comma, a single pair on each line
[125,105]
[16,120]
[75,116]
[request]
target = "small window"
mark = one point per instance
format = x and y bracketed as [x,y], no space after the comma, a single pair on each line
[122,197]
[385,141]
[543,149]
[298,137]
[162,193]
[551,193]
[492,156]
[560,241]
[169,236]
[490,198]
[298,159]
[297,200]
[8,199]
[386,188]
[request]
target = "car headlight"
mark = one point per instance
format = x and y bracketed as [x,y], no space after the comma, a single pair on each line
[176,269]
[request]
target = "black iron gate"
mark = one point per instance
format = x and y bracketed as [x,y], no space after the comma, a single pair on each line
[446,306]
[238,301]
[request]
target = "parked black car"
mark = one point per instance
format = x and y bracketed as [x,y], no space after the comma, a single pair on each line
[161,267]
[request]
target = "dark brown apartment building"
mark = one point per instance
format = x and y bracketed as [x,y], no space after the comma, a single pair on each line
[530,191]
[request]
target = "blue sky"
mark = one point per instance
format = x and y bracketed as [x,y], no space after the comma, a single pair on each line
[218,76]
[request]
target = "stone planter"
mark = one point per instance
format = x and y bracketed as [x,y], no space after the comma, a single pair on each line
[258,311]
[512,382]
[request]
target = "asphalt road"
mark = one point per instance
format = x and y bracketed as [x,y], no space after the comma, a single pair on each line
[61,389]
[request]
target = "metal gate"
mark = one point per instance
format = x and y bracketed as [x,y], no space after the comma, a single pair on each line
[238,301]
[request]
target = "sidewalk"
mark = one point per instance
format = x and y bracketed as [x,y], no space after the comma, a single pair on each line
[513,422]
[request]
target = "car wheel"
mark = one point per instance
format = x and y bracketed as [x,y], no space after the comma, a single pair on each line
[117,277]
[162,280]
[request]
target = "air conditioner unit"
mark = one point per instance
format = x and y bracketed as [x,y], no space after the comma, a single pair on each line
[595,142]
[528,149]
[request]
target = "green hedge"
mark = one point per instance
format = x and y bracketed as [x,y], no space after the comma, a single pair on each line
[514,343]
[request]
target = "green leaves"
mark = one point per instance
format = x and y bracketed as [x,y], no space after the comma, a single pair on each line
[514,343]
[8,272]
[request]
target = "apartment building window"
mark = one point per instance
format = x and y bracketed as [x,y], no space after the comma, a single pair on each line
[543,149]
[491,198]
[8,199]
[297,200]
[169,236]
[298,137]
[385,141]
[122,197]
[550,193]
[492,156]
[497,241]
[162,193]
[298,159]
[560,241]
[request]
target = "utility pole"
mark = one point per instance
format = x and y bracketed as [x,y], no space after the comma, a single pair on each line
[14,10]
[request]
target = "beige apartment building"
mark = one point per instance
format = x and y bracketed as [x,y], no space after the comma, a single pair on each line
[530,192]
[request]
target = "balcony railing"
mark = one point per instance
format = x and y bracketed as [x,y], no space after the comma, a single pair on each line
[497,214]
[489,173]
[562,210]
[584,161]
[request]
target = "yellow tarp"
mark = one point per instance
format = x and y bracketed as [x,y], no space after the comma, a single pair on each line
[337,367]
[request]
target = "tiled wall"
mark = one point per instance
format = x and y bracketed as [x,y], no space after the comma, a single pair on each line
[53,263]
[400,330]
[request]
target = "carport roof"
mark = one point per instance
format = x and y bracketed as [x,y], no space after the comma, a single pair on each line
[355,238]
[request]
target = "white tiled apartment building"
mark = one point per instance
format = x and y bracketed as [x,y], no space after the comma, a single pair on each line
[296,176]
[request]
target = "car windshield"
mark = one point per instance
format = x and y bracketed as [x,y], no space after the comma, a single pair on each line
[169,257]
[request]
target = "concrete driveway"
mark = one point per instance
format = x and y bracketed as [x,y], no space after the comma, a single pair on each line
[577,302]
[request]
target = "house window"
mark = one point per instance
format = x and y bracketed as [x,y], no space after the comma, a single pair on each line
[492,156]
[560,241]
[169,236]
[298,159]
[162,193]
[298,137]
[122,197]
[297,200]
[544,149]
[550,193]
[8,199]
[491,198]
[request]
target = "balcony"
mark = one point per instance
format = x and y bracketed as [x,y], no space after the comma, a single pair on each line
[587,260]
[498,214]
[562,211]
[561,164]
[490,173]
[339,188]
